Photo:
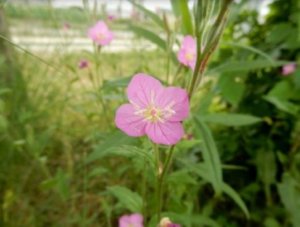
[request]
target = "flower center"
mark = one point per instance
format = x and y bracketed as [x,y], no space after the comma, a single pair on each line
[189,56]
[153,114]
[100,36]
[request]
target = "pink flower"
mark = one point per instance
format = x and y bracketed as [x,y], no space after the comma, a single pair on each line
[83,64]
[133,220]
[154,110]
[166,222]
[288,69]
[100,34]
[66,26]
[188,52]
[111,17]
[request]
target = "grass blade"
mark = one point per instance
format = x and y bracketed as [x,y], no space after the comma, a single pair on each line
[211,156]
[149,13]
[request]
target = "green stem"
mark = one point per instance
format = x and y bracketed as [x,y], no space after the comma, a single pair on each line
[158,191]
[144,189]
[177,73]
[160,184]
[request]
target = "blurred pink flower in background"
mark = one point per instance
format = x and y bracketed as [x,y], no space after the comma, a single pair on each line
[133,220]
[111,17]
[166,222]
[101,34]
[188,52]
[154,110]
[288,69]
[83,64]
[66,26]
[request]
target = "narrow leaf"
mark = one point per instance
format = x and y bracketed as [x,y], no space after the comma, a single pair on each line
[112,141]
[252,49]
[211,155]
[230,119]
[149,35]
[236,198]
[149,13]
[235,66]
[127,198]
[181,7]
[283,105]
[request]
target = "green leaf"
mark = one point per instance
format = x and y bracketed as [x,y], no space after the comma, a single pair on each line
[191,220]
[252,49]
[266,166]
[230,119]
[112,141]
[149,35]
[181,8]
[283,105]
[236,66]
[149,13]
[127,198]
[3,124]
[211,155]
[290,196]
[122,151]
[232,88]
[117,83]
[282,90]
[280,33]
[236,198]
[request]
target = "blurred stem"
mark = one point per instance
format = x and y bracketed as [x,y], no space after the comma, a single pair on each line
[177,73]
[98,83]
[84,189]
[161,176]
[158,188]
[144,189]
[169,52]
[213,40]
[268,195]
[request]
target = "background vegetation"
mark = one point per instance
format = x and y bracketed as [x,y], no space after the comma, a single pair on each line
[63,162]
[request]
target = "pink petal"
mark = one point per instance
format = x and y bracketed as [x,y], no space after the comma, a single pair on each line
[288,69]
[167,133]
[128,122]
[100,28]
[188,47]
[177,100]
[181,56]
[124,221]
[137,219]
[142,89]
[189,43]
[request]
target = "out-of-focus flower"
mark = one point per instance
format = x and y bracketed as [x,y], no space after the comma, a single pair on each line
[100,34]
[166,222]
[289,69]
[188,52]
[111,17]
[133,220]
[66,26]
[154,110]
[83,64]
[188,136]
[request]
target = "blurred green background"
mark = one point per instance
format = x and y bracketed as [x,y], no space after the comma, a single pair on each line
[64,163]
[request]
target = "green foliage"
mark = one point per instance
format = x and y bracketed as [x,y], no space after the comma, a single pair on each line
[211,157]
[182,11]
[230,119]
[63,161]
[128,199]
[149,35]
